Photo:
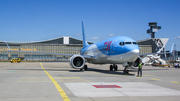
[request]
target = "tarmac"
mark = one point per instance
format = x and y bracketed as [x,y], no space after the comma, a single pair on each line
[57,81]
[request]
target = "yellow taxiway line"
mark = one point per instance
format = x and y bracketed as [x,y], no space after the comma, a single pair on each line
[155,79]
[60,90]
[175,82]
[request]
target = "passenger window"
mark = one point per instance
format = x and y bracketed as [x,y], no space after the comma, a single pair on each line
[134,43]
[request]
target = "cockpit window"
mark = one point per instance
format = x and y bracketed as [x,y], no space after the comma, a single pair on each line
[134,43]
[128,43]
[121,43]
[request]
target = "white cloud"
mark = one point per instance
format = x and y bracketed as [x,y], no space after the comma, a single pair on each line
[94,37]
[111,34]
[177,37]
[78,34]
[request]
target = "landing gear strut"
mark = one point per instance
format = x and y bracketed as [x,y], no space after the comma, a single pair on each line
[115,67]
[125,71]
[85,68]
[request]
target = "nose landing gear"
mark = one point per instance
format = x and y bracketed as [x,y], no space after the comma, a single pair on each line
[125,71]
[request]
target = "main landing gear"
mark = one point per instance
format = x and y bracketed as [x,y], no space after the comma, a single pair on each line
[85,68]
[115,67]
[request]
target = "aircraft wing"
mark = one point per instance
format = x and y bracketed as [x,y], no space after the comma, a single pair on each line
[88,56]
[154,53]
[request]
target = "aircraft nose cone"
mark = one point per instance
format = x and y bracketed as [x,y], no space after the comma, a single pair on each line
[135,54]
[132,55]
[136,51]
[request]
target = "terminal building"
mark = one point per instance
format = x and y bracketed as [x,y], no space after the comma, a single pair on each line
[64,45]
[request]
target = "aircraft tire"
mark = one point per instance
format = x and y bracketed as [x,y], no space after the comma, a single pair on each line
[111,67]
[116,68]
[123,72]
[85,68]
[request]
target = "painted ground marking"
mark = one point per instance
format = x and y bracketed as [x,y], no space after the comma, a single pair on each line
[60,90]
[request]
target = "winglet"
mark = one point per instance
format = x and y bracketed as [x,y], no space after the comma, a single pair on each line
[84,38]
[172,48]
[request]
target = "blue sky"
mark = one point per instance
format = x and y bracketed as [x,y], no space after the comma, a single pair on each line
[36,20]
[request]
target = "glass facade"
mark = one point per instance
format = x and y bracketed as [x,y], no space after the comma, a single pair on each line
[63,49]
[144,49]
[48,48]
[51,46]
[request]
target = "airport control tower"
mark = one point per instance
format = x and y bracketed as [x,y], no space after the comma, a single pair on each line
[153,29]
[158,43]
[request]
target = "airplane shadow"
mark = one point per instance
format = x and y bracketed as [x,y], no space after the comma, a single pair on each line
[77,70]
[118,72]
[104,71]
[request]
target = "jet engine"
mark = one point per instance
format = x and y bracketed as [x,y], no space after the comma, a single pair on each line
[134,64]
[77,62]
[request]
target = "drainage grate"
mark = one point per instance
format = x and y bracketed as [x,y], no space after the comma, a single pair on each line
[107,86]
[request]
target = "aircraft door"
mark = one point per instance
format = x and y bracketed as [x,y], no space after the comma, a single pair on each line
[112,48]
[121,50]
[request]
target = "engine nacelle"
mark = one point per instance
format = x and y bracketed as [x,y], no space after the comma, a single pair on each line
[134,64]
[77,62]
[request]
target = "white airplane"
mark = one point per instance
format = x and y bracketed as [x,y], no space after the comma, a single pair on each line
[117,50]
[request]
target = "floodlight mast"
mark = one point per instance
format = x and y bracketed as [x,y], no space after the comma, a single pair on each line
[153,29]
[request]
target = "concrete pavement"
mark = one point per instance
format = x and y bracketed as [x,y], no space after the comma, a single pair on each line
[58,82]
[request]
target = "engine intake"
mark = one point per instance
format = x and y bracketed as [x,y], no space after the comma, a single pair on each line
[77,62]
[134,64]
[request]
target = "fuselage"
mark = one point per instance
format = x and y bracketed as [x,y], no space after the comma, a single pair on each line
[116,50]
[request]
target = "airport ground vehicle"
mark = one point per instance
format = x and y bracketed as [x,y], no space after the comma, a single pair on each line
[18,60]
[177,65]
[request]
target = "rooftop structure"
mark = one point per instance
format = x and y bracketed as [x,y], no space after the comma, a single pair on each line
[153,29]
